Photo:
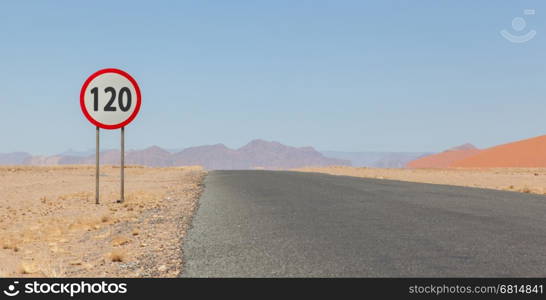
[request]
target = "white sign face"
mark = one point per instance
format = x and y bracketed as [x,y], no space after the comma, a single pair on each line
[110,99]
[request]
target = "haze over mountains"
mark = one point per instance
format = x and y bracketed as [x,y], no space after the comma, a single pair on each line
[14,158]
[256,154]
[374,159]
[528,153]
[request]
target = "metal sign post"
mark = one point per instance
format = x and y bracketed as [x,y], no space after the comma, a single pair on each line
[97,149]
[122,192]
[110,99]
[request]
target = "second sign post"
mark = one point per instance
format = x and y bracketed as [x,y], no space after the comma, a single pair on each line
[110,99]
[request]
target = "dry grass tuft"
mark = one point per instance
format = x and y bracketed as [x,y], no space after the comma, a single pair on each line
[120,241]
[10,244]
[54,272]
[526,189]
[117,256]
[28,267]
[507,188]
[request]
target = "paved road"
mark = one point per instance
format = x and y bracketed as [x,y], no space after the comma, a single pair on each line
[266,223]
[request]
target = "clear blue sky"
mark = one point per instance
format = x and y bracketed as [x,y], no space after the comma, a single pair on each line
[394,75]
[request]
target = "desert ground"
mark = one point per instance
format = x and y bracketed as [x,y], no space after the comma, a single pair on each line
[50,225]
[525,180]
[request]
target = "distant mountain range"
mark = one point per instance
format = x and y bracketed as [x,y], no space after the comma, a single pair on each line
[256,154]
[377,159]
[15,158]
[260,154]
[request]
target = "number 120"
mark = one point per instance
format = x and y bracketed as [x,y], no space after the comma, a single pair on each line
[112,91]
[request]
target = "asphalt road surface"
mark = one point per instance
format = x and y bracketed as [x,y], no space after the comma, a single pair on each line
[288,224]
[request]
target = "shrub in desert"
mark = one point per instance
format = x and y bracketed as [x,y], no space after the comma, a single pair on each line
[9,244]
[117,256]
[27,267]
[50,269]
[120,241]
[54,272]
[507,188]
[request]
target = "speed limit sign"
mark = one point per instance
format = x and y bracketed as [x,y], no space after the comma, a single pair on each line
[110,99]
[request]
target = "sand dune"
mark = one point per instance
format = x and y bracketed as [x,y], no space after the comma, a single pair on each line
[529,153]
[444,159]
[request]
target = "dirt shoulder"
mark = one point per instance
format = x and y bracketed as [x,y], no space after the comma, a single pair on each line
[50,225]
[507,179]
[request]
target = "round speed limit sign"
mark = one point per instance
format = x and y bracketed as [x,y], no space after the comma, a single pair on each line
[110,98]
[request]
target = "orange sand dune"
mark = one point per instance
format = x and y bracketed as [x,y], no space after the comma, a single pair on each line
[529,153]
[444,159]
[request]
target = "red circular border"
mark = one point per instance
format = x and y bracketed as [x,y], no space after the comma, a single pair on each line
[97,123]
